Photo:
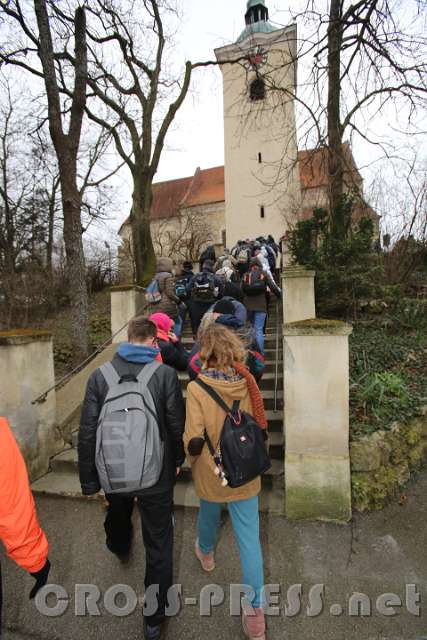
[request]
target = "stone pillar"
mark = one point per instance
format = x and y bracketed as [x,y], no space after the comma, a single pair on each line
[26,365]
[127,301]
[298,294]
[316,380]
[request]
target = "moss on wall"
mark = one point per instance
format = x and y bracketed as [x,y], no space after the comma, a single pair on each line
[383,462]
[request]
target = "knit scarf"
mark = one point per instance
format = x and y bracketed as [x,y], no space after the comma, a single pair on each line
[138,353]
[255,395]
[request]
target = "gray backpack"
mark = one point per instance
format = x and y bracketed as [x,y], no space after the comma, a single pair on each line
[129,446]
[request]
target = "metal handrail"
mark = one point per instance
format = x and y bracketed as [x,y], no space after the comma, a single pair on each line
[276,376]
[58,385]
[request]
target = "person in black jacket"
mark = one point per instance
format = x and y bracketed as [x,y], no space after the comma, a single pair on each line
[197,305]
[172,350]
[207,254]
[155,503]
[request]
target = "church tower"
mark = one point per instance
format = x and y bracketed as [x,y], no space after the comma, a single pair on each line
[262,187]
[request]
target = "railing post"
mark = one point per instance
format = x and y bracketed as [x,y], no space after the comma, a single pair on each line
[126,302]
[298,294]
[316,382]
[26,363]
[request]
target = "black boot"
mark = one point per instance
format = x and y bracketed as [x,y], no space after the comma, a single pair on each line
[152,633]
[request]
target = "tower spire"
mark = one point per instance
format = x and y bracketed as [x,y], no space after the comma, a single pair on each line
[256,18]
[256,12]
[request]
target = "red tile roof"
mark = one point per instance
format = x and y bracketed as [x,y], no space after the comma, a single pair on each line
[207,185]
[313,167]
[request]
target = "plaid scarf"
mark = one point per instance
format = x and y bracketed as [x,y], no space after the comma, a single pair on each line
[221,375]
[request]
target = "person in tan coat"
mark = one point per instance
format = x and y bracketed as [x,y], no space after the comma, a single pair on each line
[223,356]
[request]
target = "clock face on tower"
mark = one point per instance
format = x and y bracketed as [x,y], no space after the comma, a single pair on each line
[256,58]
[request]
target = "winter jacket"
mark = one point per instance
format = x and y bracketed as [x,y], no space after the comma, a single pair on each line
[204,413]
[239,309]
[20,531]
[218,283]
[259,302]
[166,391]
[232,290]
[170,301]
[174,354]
[207,254]
[225,258]
[255,361]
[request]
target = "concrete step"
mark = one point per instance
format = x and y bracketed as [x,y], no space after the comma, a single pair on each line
[276,445]
[61,484]
[67,485]
[65,462]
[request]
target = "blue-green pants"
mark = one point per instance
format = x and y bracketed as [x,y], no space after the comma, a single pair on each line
[245,520]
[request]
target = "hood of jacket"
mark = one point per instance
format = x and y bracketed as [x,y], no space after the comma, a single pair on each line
[229,391]
[230,321]
[164,265]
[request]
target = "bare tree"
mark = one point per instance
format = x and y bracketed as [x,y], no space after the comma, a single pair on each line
[363,58]
[66,144]
[399,193]
[184,236]
[136,94]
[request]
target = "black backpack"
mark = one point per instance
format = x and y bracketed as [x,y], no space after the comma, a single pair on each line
[204,288]
[241,455]
[181,288]
[254,283]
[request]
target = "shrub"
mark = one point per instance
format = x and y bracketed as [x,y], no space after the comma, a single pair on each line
[347,268]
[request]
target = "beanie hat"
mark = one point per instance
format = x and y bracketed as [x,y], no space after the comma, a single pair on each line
[225,307]
[162,321]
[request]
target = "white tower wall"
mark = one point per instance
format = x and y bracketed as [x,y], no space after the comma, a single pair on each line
[265,127]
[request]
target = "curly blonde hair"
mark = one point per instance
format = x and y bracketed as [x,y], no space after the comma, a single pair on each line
[220,347]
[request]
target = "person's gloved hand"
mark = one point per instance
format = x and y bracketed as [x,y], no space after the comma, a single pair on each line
[41,579]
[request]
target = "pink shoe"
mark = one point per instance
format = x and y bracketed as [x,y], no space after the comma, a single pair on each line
[254,626]
[207,560]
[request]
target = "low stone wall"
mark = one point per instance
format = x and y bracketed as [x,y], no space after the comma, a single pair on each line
[383,462]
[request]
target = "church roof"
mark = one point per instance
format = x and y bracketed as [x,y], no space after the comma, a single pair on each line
[207,186]
[313,167]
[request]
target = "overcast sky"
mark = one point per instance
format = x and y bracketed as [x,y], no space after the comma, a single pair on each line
[197,135]
[197,138]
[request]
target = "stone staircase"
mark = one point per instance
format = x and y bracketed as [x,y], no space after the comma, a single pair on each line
[63,479]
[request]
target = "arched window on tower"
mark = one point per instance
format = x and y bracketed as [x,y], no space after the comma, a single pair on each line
[257,89]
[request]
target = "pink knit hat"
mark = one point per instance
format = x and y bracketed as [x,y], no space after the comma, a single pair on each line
[162,321]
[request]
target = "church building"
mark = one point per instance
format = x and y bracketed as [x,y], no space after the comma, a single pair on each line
[265,185]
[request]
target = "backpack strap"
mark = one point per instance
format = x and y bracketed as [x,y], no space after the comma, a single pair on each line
[147,372]
[110,374]
[215,396]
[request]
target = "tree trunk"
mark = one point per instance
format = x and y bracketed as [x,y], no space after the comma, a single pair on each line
[143,249]
[76,266]
[335,156]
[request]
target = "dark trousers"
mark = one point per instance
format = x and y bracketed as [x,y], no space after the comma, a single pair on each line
[156,514]
[197,310]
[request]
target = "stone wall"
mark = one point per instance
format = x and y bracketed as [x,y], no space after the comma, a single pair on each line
[383,462]
[26,363]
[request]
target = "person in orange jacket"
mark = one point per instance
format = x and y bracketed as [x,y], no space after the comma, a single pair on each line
[20,531]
